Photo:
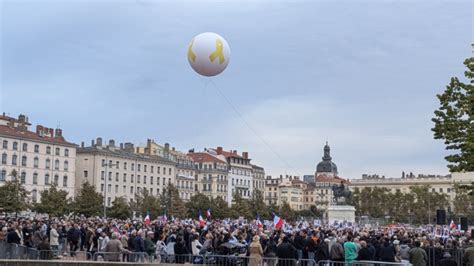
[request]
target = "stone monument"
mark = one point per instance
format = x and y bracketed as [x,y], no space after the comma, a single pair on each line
[339,211]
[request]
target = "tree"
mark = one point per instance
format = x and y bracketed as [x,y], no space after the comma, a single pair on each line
[197,203]
[463,202]
[454,120]
[240,207]
[88,201]
[144,203]
[54,202]
[257,204]
[172,203]
[14,197]
[220,208]
[120,209]
[426,203]
[286,213]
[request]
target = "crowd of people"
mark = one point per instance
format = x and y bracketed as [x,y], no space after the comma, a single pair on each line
[133,240]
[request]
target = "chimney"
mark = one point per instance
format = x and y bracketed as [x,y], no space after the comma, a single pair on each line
[111,143]
[99,141]
[21,119]
[235,151]
[39,129]
[219,150]
[245,155]
[129,147]
[51,132]
[82,144]
[167,146]
[58,133]
[92,143]
[191,151]
[121,146]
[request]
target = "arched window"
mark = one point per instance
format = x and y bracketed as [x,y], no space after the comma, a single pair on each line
[3,175]
[65,181]
[56,180]
[25,147]
[66,165]
[35,178]
[48,150]
[23,178]
[15,145]
[46,179]
[37,148]
[57,152]
[66,152]
[4,158]
[14,159]
[34,196]
[35,162]
[56,164]
[23,160]
[47,163]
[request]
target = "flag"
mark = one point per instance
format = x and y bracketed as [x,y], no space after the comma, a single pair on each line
[259,222]
[208,213]
[277,221]
[201,220]
[147,218]
[452,225]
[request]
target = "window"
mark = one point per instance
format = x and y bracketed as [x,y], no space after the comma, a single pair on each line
[57,152]
[144,179]
[133,167]
[86,173]
[102,175]
[125,165]
[116,177]
[15,146]
[151,180]
[144,168]
[65,181]
[124,189]
[3,175]
[448,190]
[124,177]
[131,190]
[441,190]
[131,178]
[164,181]
[110,176]
[110,163]
[35,178]
[5,144]
[48,150]
[109,188]
[25,147]
[103,162]
[56,164]
[158,169]
[35,162]
[138,179]
[56,180]
[117,164]
[46,179]
[158,180]
[108,201]
[116,188]
[4,158]
[101,187]
[66,152]
[164,170]
[169,171]
[151,169]
[66,165]
[139,167]
[37,148]
[23,178]
[34,196]
[157,191]
[14,158]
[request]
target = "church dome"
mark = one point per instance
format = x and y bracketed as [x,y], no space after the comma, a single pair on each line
[326,165]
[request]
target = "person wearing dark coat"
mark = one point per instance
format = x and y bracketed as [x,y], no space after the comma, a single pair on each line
[387,251]
[73,236]
[45,252]
[286,253]
[447,260]
[322,251]
[13,238]
[364,252]
[180,250]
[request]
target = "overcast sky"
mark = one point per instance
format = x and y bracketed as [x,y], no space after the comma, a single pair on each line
[361,74]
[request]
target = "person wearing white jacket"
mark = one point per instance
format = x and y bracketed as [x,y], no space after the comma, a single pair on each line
[54,240]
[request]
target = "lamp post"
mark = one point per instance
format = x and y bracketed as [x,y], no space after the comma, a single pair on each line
[107,164]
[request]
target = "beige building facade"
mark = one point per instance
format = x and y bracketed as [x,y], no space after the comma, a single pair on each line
[40,158]
[118,171]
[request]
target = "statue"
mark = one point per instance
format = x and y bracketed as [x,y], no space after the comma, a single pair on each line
[341,191]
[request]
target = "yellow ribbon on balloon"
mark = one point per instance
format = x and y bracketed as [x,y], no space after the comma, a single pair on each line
[191,54]
[218,53]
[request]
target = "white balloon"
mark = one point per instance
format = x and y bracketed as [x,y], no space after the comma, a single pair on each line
[208,54]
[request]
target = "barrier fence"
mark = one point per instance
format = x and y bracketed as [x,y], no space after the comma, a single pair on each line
[19,252]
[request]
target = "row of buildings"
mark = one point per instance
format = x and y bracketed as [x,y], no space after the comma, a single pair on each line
[44,157]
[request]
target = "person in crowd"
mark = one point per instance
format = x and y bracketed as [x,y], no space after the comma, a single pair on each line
[469,253]
[337,251]
[417,255]
[196,246]
[113,248]
[287,253]
[181,252]
[447,260]
[54,240]
[124,241]
[255,251]
[44,249]
[364,252]
[350,250]
[387,251]
[73,235]
[150,247]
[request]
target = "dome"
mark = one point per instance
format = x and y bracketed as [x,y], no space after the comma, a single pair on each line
[326,165]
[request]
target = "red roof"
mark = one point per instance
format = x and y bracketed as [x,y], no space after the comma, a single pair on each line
[230,154]
[29,135]
[204,157]
[331,179]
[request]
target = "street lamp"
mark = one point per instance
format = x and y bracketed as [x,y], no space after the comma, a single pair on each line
[106,164]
